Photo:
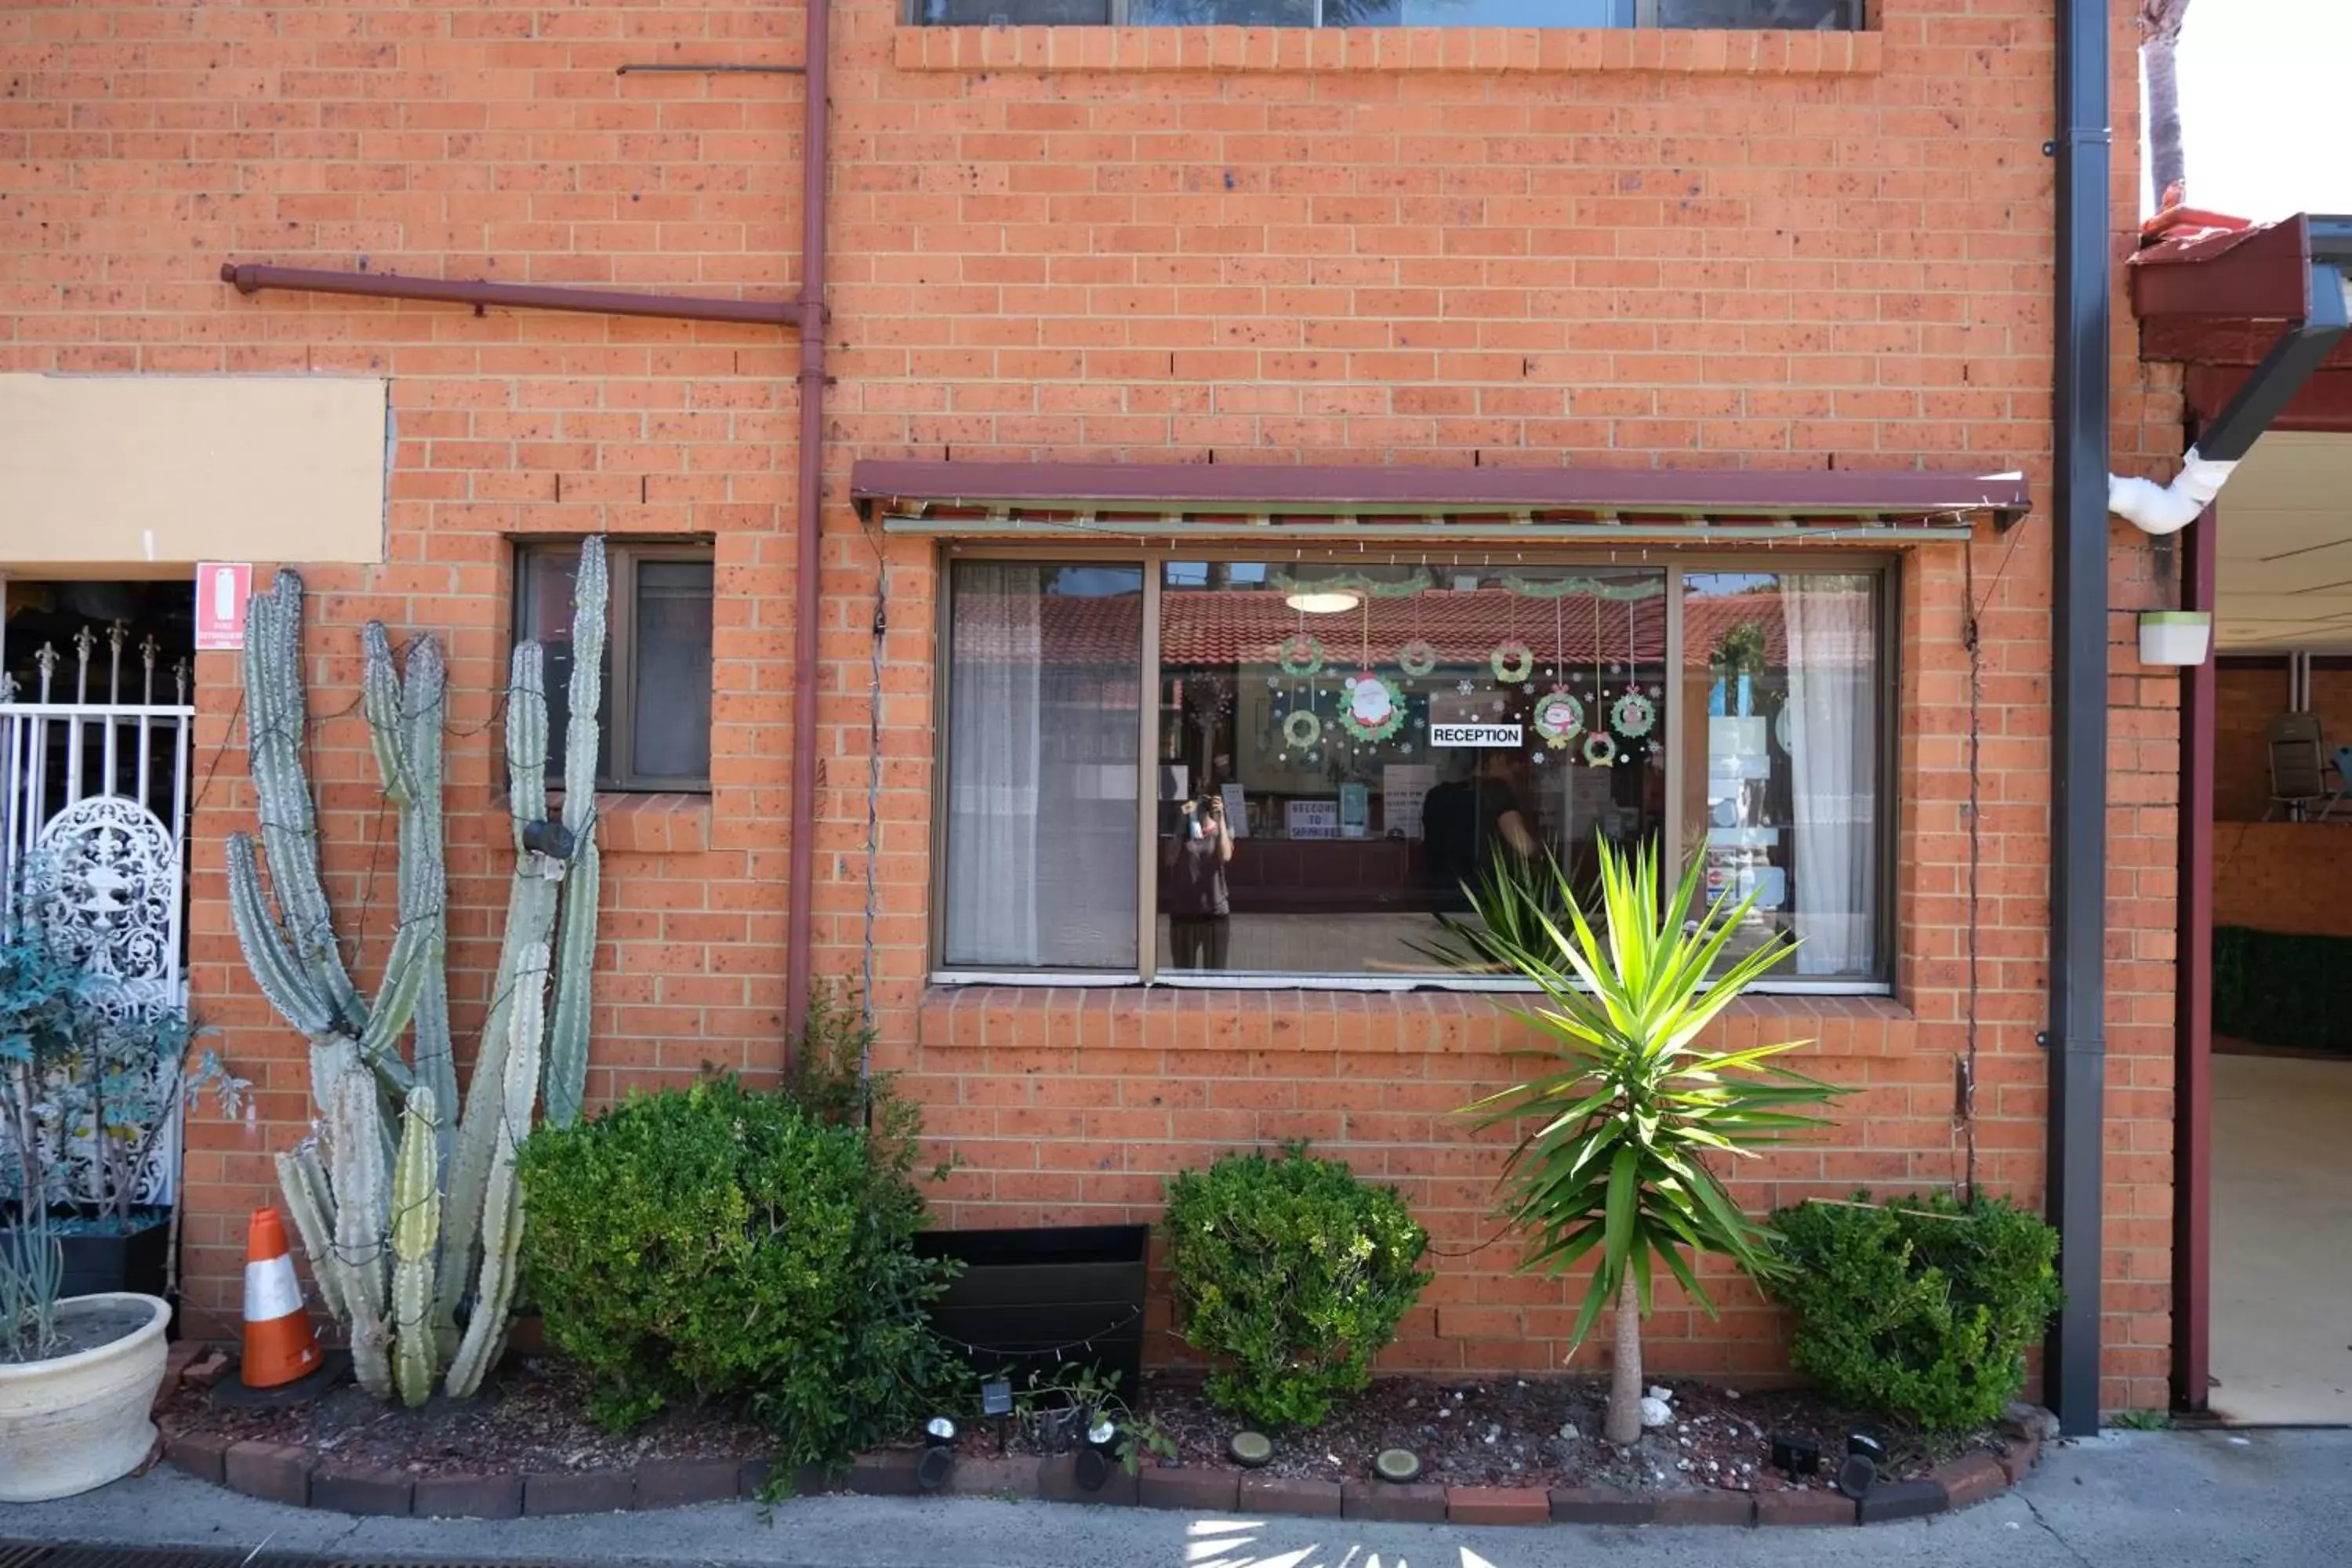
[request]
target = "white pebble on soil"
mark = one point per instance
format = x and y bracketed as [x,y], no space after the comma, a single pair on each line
[1494,1431]
[1662,1393]
[1568,1433]
[1656,1412]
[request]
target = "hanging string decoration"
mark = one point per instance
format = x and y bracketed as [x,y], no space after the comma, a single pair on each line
[1300,654]
[1559,717]
[1599,746]
[1512,661]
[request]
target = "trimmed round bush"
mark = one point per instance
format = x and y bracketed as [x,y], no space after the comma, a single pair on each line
[714,1245]
[1294,1275]
[1921,1308]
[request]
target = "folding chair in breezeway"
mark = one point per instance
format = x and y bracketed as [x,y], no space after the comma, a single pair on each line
[2298,766]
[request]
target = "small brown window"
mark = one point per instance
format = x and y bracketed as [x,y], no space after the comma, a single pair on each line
[657,707]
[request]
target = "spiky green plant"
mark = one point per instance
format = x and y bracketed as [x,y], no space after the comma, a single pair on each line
[407,1205]
[1612,1158]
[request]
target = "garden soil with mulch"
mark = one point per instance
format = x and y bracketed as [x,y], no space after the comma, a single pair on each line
[1546,1432]
[530,1416]
[1478,1432]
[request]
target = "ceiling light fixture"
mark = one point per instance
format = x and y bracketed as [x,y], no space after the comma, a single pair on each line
[1321,601]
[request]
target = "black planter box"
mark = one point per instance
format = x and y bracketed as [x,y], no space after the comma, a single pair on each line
[134,1259]
[1029,1299]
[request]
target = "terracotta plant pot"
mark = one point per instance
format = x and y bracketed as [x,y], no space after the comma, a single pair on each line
[76,1421]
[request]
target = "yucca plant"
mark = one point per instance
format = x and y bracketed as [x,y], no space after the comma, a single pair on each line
[1612,1161]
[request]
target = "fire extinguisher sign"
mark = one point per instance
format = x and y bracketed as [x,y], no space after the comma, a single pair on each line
[222,588]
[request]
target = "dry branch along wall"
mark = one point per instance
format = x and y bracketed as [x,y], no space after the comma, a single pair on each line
[1787,256]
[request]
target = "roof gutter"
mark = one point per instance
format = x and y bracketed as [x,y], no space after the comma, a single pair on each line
[2261,399]
[2076,1040]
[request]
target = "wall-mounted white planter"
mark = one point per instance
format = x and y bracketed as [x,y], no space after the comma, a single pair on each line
[2175,637]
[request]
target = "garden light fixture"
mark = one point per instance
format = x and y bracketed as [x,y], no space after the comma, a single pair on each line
[938,1454]
[1093,1461]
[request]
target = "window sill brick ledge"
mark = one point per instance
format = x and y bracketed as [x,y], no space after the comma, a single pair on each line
[1485,49]
[652,824]
[1080,1019]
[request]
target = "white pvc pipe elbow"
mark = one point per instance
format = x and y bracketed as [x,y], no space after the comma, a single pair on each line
[2153,507]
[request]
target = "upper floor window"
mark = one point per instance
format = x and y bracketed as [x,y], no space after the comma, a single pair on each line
[656,704]
[1797,15]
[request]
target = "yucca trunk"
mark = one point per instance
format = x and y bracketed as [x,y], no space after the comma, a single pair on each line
[1624,1424]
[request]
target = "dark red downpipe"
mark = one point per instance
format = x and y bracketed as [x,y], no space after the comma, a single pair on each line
[800,895]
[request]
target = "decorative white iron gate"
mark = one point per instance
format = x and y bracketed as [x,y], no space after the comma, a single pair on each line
[95,793]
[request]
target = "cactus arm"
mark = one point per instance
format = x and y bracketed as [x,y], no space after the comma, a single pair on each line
[361,1215]
[527,737]
[283,980]
[277,715]
[380,700]
[591,592]
[568,1021]
[304,1186]
[422,698]
[416,1229]
[502,1198]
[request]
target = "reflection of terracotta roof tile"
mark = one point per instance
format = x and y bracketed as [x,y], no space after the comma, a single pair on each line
[1223,628]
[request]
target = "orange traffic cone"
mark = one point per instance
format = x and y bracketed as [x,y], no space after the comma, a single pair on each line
[279,1347]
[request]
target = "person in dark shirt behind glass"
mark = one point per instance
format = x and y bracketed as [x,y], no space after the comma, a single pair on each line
[1464,820]
[1192,883]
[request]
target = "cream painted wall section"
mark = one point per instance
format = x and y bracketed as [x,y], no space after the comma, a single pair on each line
[126,472]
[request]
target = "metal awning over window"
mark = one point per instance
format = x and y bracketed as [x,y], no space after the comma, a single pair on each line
[1176,500]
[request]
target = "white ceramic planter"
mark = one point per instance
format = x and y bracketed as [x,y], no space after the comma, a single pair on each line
[80,1421]
[2175,637]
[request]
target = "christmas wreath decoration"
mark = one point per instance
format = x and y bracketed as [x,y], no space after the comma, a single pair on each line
[1512,662]
[1375,709]
[1301,727]
[1301,653]
[1417,657]
[1559,716]
[1634,715]
[1599,749]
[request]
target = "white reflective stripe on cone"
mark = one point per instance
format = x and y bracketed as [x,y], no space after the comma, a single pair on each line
[270,1289]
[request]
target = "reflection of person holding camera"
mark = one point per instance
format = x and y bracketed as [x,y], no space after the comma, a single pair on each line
[1193,865]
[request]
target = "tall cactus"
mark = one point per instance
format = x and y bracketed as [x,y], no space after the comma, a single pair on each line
[396,1253]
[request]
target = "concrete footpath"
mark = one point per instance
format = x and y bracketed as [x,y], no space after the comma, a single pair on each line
[2128,1499]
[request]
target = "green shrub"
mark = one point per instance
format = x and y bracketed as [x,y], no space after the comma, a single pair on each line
[712,1244]
[1294,1273]
[1918,1307]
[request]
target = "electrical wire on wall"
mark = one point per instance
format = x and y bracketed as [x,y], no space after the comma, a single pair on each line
[873,814]
[1964,1097]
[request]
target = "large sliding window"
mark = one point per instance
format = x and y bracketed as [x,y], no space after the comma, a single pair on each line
[1775,15]
[1240,770]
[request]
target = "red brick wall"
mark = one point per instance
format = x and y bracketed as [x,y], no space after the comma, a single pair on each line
[2283,877]
[2250,696]
[1620,250]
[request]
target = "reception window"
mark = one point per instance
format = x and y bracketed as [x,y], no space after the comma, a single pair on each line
[1779,14]
[1237,770]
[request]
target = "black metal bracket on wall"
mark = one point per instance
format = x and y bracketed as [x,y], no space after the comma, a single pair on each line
[2077,1061]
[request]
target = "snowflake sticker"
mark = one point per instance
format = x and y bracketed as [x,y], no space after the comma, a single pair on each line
[1465,686]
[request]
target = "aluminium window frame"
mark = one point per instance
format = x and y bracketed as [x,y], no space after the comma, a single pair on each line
[623,556]
[1640,14]
[1886,567]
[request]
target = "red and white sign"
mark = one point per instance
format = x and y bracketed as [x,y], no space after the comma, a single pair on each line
[222,589]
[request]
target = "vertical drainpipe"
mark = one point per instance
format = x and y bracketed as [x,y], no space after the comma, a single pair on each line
[2192,1076]
[2076,1041]
[808,517]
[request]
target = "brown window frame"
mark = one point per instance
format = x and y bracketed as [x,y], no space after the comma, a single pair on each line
[1886,566]
[623,557]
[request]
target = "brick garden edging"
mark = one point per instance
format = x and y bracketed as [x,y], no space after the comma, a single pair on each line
[278,1473]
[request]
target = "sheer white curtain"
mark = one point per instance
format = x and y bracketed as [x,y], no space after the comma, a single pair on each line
[995,722]
[1833,756]
[1042,745]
